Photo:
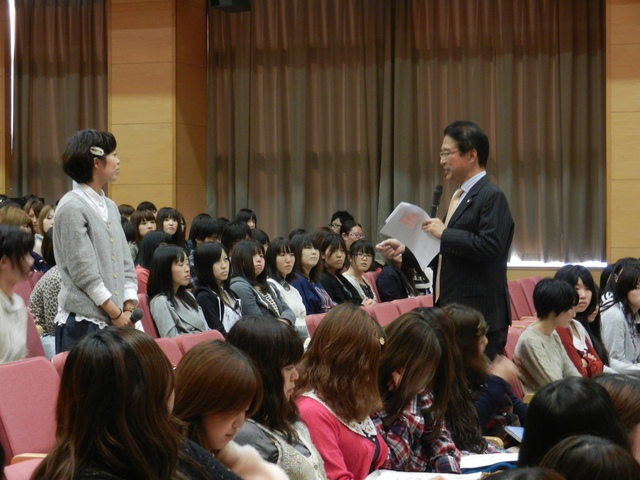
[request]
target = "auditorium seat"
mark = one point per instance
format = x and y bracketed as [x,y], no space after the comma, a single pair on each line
[147,320]
[170,349]
[21,470]
[313,321]
[519,303]
[371,278]
[405,305]
[528,284]
[34,343]
[33,279]
[27,406]
[384,313]
[187,342]
[58,361]
[23,289]
[425,300]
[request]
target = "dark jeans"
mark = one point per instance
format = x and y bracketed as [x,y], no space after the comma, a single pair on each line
[68,334]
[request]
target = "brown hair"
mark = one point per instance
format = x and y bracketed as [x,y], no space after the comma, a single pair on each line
[213,378]
[415,344]
[136,219]
[112,410]
[342,362]
[470,328]
[624,390]
[15,216]
[43,214]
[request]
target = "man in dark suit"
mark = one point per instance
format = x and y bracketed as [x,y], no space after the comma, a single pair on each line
[475,238]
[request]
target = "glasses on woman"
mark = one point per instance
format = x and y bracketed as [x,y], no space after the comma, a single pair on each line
[359,236]
[365,256]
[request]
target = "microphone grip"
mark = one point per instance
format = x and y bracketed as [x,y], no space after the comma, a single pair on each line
[433,211]
[136,315]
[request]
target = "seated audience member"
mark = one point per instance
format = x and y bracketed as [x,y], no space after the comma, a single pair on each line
[221,307]
[43,302]
[19,218]
[608,294]
[169,220]
[204,229]
[571,406]
[307,277]
[15,266]
[488,382]
[280,259]
[539,353]
[528,473]
[585,457]
[624,390]
[415,379]
[44,223]
[460,417]
[396,280]
[174,309]
[147,247]
[338,390]
[360,258]
[249,283]
[338,218]
[620,322]
[216,386]
[247,216]
[297,231]
[351,232]
[33,206]
[261,237]
[144,222]
[320,234]
[583,339]
[121,426]
[145,205]
[232,233]
[126,210]
[275,429]
[334,255]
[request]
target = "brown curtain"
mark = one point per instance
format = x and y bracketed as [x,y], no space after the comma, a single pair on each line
[317,106]
[60,87]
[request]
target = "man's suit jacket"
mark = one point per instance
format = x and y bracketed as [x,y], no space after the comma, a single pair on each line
[475,250]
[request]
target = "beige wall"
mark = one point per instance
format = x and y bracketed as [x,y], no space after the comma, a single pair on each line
[623,128]
[157,101]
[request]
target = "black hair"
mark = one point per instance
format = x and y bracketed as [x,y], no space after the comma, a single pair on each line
[150,242]
[234,232]
[204,256]
[260,236]
[347,226]
[146,205]
[468,136]
[618,267]
[128,229]
[566,407]
[553,296]
[571,274]
[77,159]
[244,215]
[204,225]
[242,263]
[165,213]
[300,242]
[161,279]
[332,242]
[276,247]
[126,210]
[342,215]
[14,243]
[361,246]
[47,248]
[297,231]
[628,280]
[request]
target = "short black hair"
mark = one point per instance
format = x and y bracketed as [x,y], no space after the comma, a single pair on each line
[245,214]
[242,262]
[148,245]
[260,235]
[628,280]
[204,226]
[14,243]
[469,136]
[553,296]
[276,247]
[232,233]
[343,215]
[142,206]
[128,229]
[82,147]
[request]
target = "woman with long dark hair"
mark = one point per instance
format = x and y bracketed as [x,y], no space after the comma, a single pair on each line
[307,277]
[173,308]
[275,428]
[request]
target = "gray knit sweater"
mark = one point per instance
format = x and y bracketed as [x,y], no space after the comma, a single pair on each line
[91,253]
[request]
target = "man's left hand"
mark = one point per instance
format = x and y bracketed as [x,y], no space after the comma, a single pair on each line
[433,226]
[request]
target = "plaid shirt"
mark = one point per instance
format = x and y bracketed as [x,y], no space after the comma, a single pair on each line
[406,450]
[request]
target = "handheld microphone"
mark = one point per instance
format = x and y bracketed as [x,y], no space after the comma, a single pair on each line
[136,315]
[435,202]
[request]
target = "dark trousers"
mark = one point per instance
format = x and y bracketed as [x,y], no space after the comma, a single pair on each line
[497,341]
[68,334]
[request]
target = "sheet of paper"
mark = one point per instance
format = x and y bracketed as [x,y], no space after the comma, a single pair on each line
[479,461]
[405,224]
[515,432]
[390,475]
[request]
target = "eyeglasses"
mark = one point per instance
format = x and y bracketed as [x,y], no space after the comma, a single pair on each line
[356,235]
[335,225]
[446,154]
[365,256]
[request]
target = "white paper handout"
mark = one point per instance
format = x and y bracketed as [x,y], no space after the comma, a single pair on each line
[405,224]
[390,475]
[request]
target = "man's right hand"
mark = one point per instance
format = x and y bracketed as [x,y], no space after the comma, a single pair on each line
[391,248]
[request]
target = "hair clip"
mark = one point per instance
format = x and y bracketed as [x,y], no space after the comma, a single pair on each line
[97,151]
[382,341]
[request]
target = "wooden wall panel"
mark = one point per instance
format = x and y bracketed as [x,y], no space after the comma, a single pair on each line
[625,142]
[625,76]
[191,161]
[625,17]
[191,200]
[191,95]
[191,27]
[625,199]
